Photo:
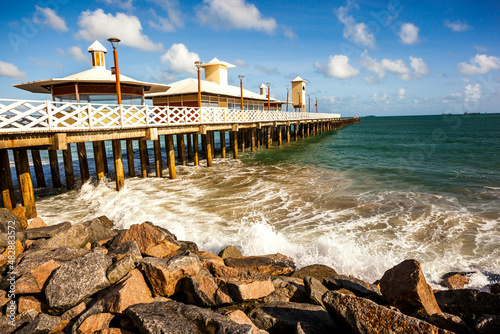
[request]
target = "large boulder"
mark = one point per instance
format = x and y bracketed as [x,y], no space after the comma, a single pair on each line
[273,264]
[470,305]
[45,232]
[405,287]
[127,247]
[176,318]
[20,211]
[230,251]
[359,287]
[241,289]
[42,324]
[315,290]
[450,322]
[456,281]
[362,316]
[8,326]
[76,280]
[488,324]
[9,221]
[204,291]
[318,271]
[99,229]
[287,289]
[218,270]
[120,268]
[95,322]
[283,317]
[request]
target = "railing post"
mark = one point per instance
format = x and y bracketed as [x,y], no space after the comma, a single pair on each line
[48,107]
[147,114]
[89,113]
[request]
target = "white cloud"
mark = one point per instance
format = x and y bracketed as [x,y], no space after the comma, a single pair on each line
[457,26]
[288,32]
[98,25]
[239,62]
[409,33]
[338,67]
[236,14]
[472,93]
[421,69]
[10,70]
[174,16]
[480,64]
[398,67]
[180,59]
[49,17]
[74,52]
[125,4]
[353,31]
[401,93]
[480,48]
[371,80]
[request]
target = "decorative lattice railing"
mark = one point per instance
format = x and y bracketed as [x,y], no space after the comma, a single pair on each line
[34,116]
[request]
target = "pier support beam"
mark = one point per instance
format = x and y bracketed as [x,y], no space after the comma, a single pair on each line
[54,169]
[83,162]
[243,139]
[288,133]
[196,150]
[269,138]
[104,157]
[68,167]
[181,149]
[37,165]
[117,157]
[280,139]
[252,143]
[25,184]
[130,158]
[6,185]
[190,146]
[169,145]
[143,152]
[222,143]
[158,162]
[208,148]
[234,137]
[99,159]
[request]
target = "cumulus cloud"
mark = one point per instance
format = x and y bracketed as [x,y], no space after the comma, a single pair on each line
[181,60]
[239,62]
[98,25]
[398,67]
[472,93]
[11,71]
[401,93]
[419,67]
[409,33]
[480,64]
[457,26]
[173,20]
[267,70]
[338,67]
[237,14]
[353,31]
[74,52]
[371,80]
[49,17]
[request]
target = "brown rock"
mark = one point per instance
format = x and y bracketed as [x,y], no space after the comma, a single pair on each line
[26,303]
[230,251]
[120,268]
[454,282]
[21,319]
[3,298]
[359,287]
[205,292]
[35,280]
[287,289]
[450,322]
[346,292]
[223,271]
[164,274]
[37,222]
[495,288]
[273,264]
[113,331]
[150,240]
[95,323]
[405,287]
[6,219]
[131,290]
[318,271]
[20,211]
[43,323]
[488,324]
[240,317]
[16,249]
[241,289]
[315,290]
[206,257]
[69,315]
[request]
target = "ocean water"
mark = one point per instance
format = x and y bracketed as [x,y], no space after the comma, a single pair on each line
[360,199]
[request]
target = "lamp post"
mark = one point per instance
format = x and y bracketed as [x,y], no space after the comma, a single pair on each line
[114,42]
[198,65]
[268,96]
[309,102]
[287,92]
[300,102]
[316,105]
[241,88]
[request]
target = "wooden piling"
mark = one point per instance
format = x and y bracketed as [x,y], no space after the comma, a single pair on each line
[130,158]
[190,146]
[211,135]
[208,148]
[252,143]
[259,136]
[83,162]
[25,184]
[158,162]
[54,169]
[6,185]
[37,164]
[243,140]
[143,152]
[181,149]
[117,158]
[196,150]
[280,139]
[68,167]
[234,135]
[223,143]
[104,157]
[169,145]
[269,138]
[98,159]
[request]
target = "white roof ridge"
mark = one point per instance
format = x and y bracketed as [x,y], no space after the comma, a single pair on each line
[96,46]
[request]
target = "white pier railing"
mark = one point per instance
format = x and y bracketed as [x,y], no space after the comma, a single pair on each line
[35,116]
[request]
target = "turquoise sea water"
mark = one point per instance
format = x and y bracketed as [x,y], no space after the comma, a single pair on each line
[360,199]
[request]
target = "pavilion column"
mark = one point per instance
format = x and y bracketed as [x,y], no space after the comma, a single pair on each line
[54,169]
[130,158]
[223,143]
[98,159]
[208,148]
[234,136]
[37,165]
[158,162]
[68,167]
[6,185]
[181,149]
[189,146]
[25,184]
[143,152]
[169,146]
[196,150]
[117,157]
[83,162]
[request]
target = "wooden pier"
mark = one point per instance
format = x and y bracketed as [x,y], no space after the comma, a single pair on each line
[45,125]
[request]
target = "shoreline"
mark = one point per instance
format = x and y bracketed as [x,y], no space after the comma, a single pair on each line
[90,277]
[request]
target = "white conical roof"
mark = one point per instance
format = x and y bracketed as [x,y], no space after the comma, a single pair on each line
[96,46]
[298,78]
[216,61]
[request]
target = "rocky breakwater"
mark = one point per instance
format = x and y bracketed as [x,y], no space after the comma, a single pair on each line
[91,278]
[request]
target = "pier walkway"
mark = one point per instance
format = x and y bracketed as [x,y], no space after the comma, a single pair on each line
[47,125]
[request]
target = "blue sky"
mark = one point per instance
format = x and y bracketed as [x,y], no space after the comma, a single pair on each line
[359,57]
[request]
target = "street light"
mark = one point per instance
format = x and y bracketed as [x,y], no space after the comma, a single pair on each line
[287,92]
[268,96]
[114,42]
[241,88]
[198,65]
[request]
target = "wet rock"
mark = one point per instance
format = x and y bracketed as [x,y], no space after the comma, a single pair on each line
[98,230]
[241,289]
[287,289]
[282,317]
[42,324]
[26,303]
[363,316]
[95,323]
[315,290]
[8,326]
[187,246]
[128,247]
[470,305]
[273,264]
[318,271]
[224,271]
[45,232]
[7,219]
[488,324]
[76,280]
[120,268]
[173,317]
[164,274]
[405,287]
[206,257]
[454,282]
[359,287]
[240,317]
[450,322]
[151,240]
[77,236]
[230,251]
[205,292]
[37,222]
